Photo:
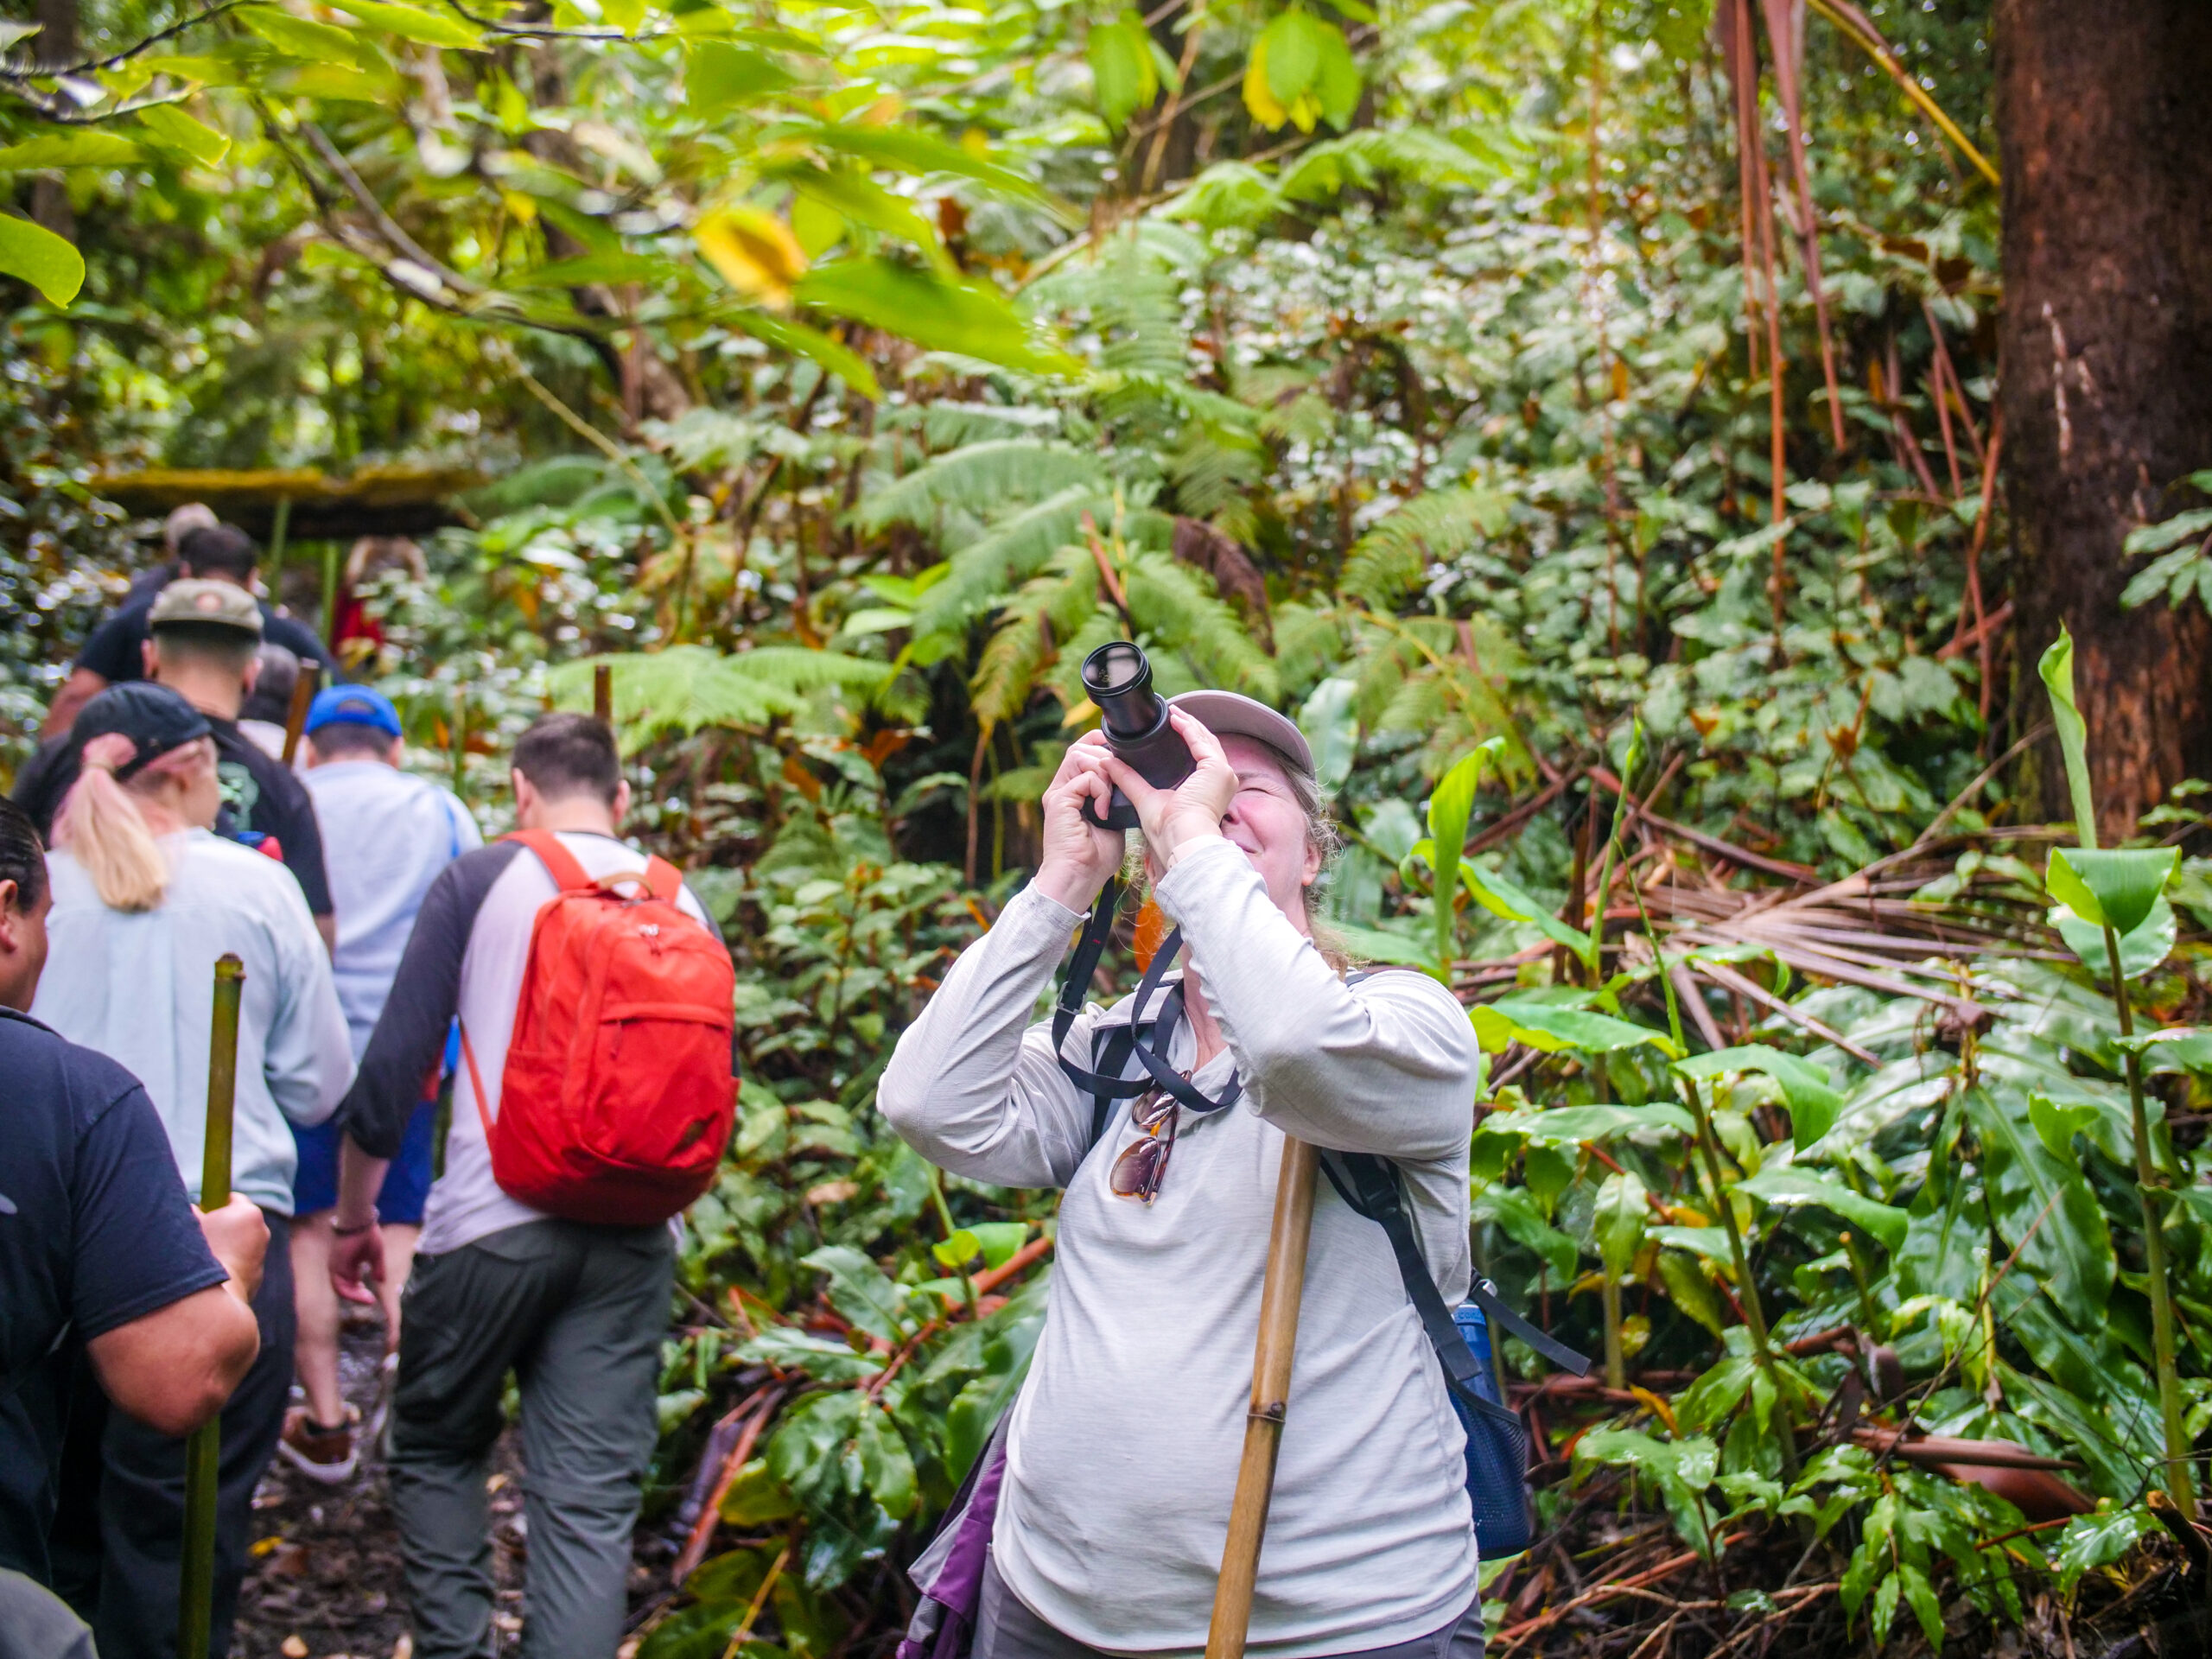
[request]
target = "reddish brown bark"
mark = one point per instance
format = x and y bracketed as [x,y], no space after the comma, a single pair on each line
[2106,352]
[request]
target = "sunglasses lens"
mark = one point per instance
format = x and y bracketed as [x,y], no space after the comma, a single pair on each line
[1136,1172]
[1152,1107]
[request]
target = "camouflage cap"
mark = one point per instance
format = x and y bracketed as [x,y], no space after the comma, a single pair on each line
[205,603]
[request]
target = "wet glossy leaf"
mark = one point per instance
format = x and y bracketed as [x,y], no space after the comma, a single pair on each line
[1813,1101]
[2042,1208]
[1788,1188]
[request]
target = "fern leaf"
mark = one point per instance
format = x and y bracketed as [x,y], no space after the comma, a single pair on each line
[686,687]
[1177,608]
[980,480]
[1390,559]
[1048,608]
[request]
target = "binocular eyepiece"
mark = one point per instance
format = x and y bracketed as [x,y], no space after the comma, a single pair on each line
[1134,718]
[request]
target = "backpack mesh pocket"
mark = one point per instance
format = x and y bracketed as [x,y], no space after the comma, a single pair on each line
[1498,1476]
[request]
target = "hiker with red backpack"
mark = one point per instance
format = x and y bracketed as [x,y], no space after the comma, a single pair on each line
[1164,1118]
[593,1103]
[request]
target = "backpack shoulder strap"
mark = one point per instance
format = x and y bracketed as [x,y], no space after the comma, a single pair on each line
[663,879]
[1374,1188]
[560,863]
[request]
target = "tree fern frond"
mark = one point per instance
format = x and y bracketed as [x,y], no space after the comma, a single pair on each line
[1212,469]
[1389,561]
[1020,648]
[686,687]
[1228,195]
[1177,608]
[983,572]
[1310,645]
[981,478]
[947,425]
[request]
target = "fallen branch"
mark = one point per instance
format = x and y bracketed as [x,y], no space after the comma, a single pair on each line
[703,1530]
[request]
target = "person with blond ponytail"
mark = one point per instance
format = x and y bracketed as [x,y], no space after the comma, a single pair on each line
[145,898]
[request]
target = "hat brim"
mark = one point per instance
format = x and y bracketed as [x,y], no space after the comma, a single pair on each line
[1231,714]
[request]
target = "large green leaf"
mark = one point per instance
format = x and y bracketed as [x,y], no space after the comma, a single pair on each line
[1550,1028]
[1619,1221]
[2094,1541]
[1329,719]
[1499,896]
[718,76]
[1516,1215]
[68,149]
[1812,1102]
[1576,1125]
[2113,888]
[1789,1187]
[311,42]
[41,258]
[172,130]
[859,1290]
[887,1466]
[413,23]
[929,310]
[2042,1207]
[2057,671]
[1122,72]
[1450,805]
[2140,950]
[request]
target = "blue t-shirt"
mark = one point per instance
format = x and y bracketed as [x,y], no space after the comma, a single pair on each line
[95,1231]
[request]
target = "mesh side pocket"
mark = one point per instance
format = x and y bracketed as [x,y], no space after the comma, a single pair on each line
[1497,1477]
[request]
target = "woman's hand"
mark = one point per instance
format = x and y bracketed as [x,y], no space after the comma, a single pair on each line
[1077,855]
[1171,818]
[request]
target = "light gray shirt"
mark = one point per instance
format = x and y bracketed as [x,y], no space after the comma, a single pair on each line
[1122,1451]
[385,836]
[139,986]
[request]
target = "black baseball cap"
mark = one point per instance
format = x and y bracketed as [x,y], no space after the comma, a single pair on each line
[154,717]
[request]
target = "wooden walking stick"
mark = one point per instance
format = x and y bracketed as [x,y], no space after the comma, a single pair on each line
[203,1451]
[1280,1293]
[295,718]
[602,693]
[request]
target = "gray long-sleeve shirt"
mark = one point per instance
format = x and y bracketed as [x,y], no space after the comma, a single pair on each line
[1123,1447]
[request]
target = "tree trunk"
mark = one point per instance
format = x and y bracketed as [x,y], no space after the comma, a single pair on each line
[57,46]
[2107,354]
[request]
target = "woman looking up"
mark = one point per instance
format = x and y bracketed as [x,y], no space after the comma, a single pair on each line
[145,900]
[1123,1444]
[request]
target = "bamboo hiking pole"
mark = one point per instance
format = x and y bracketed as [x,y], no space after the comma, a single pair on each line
[1280,1293]
[295,718]
[602,693]
[203,1451]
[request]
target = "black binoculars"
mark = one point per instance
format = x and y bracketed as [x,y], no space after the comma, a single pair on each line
[1119,680]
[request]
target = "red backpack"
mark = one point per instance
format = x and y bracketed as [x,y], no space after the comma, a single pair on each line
[618,1093]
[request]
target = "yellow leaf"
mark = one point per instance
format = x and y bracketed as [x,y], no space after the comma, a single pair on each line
[1258,99]
[883,111]
[755,252]
[524,208]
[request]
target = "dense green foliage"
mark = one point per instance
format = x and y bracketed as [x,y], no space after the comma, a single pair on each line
[842,376]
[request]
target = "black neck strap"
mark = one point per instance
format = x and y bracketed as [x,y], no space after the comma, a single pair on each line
[1151,1054]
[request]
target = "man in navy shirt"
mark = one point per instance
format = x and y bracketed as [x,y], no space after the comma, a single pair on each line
[102,1257]
[116,650]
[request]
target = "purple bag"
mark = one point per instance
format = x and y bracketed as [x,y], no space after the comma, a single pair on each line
[949,1572]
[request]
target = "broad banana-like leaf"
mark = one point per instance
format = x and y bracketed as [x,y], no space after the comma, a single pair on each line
[1574,1126]
[2057,671]
[1786,1187]
[1812,1102]
[2113,888]
[1550,1028]
[1502,898]
[2140,949]
[2042,1208]
[1619,1220]
[1450,805]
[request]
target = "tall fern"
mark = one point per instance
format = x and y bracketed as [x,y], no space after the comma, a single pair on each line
[686,687]
[978,480]
[1391,561]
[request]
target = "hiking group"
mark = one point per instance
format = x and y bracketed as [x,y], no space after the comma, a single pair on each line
[494,1075]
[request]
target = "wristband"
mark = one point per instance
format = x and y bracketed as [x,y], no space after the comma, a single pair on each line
[336,1231]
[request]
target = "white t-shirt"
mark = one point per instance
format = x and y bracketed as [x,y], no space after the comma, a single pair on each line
[140,988]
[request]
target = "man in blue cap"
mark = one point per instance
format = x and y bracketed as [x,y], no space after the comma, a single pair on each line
[386,836]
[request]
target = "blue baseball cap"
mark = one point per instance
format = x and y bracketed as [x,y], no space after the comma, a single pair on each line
[352,705]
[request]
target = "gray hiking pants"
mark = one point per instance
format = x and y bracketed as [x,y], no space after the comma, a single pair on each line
[577,1313]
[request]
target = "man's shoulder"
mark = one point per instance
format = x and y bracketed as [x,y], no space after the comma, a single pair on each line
[271,774]
[280,629]
[36,1059]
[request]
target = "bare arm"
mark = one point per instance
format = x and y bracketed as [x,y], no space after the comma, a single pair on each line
[79,688]
[357,1257]
[174,1368]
